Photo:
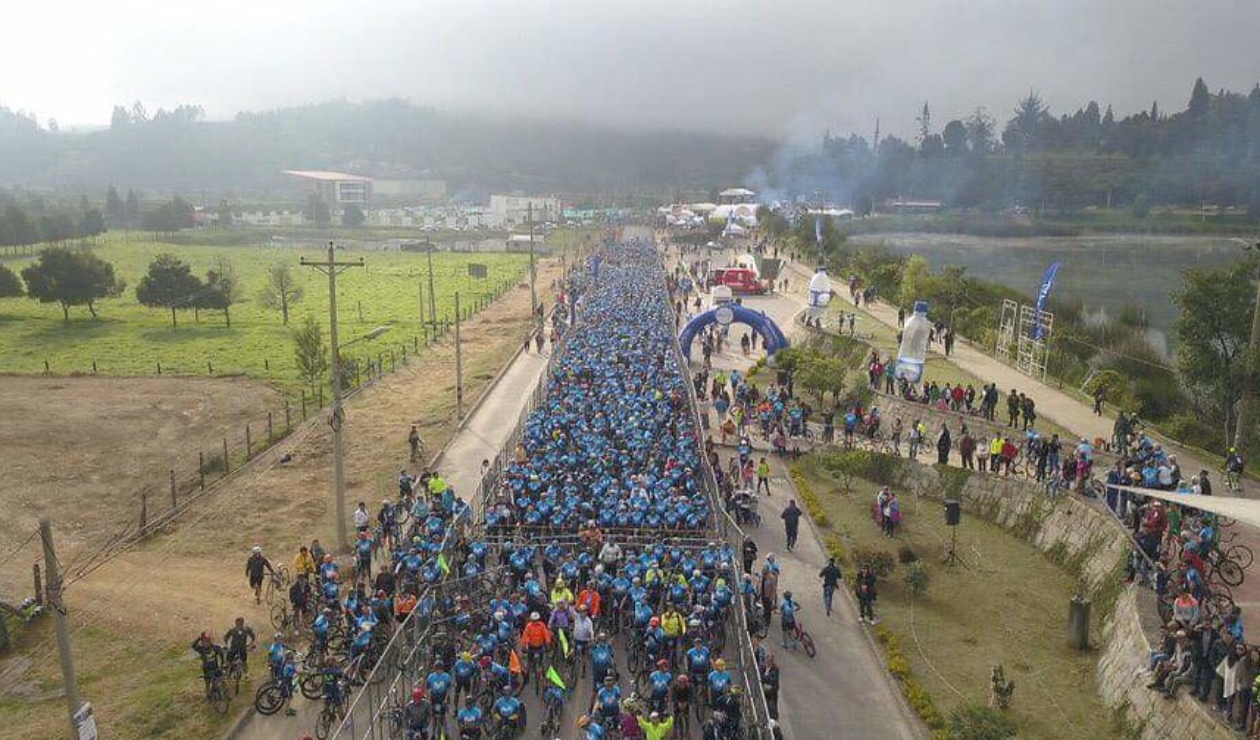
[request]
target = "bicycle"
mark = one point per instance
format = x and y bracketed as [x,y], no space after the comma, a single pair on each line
[550,726]
[330,718]
[270,697]
[217,694]
[277,580]
[804,639]
[235,672]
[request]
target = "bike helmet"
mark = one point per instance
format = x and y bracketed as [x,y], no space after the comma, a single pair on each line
[417,694]
[205,637]
[485,661]
[654,622]
[534,616]
[720,664]
[682,679]
[257,550]
[662,664]
[787,594]
[438,665]
[609,680]
[507,689]
[602,636]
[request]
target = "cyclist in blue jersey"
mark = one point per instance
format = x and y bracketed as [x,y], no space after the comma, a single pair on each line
[464,671]
[719,681]
[439,685]
[509,712]
[593,729]
[607,702]
[659,682]
[276,654]
[601,659]
[787,614]
[471,719]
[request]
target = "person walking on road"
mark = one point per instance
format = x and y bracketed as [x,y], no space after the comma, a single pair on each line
[864,586]
[763,476]
[791,523]
[769,587]
[255,568]
[831,577]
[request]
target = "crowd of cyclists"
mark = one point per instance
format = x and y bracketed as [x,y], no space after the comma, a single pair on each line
[593,573]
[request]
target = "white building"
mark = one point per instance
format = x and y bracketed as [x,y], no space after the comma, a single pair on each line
[509,210]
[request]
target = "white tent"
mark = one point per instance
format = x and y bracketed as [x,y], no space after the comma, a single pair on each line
[1242,510]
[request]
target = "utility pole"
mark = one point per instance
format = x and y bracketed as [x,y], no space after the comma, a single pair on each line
[430,246]
[53,574]
[1247,409]
[420,290]
[459,365]
[533,295]
[331,267]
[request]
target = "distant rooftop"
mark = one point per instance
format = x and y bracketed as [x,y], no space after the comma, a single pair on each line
[327,176]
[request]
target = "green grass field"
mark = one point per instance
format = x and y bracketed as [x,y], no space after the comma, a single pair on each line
[130,339]
[1004,605]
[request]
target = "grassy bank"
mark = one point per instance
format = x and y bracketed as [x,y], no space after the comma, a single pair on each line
[998,606]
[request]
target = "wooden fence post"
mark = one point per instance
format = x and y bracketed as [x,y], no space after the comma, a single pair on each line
[269,432]
[209,368]
[94,367]
[39,585]
[248,450]
[159,367]
[174,495]
[303,404]
[288,419]
[321,396]
[46,370]
[391,360]
[266,364]
[201,470]
[144,512]
[226,464]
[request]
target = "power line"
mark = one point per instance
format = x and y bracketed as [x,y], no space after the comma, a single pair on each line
[15,551]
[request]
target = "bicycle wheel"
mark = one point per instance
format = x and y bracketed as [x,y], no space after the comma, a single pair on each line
[235,672]
[268,699]
[1240,554]
[1229,572]
[324,726]
[643,682]
[807,642]
[279,615]
[312,686]
[219,698]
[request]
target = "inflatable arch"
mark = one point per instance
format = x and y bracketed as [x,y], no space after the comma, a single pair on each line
[733,313]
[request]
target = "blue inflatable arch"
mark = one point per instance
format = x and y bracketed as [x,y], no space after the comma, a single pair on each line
[774,338]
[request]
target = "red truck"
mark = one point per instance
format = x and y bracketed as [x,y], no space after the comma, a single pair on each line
[740,280]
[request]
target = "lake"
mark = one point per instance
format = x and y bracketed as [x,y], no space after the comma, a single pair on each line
[1103,272]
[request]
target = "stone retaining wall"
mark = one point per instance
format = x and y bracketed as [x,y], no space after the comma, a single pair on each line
[1085,540]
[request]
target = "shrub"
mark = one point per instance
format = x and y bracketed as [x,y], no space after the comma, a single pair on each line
[880,562]
[879,468]
[917,580]
[978,722]
[906,555]
[836,550]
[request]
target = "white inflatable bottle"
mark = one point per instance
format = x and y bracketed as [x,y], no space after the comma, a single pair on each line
[819,293]
[914,344]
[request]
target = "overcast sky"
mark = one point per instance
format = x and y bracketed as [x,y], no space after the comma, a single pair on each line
[775,67]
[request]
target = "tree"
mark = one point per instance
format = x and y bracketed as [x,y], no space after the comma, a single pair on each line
[71,279]
[120,119]
[282,290]
[92,222]
[954,136]
[114,207]
[310,350]
[222,289]
[317,210]
[22,230]
[1200,99]
[131,210]
[352,216]
[10,284]
[820,374]
[169,284]
[1213,329]
[980,132]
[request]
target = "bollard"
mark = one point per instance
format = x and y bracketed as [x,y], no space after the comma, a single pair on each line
[1078,622]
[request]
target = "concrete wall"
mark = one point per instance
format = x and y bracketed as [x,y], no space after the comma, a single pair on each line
[1086,540]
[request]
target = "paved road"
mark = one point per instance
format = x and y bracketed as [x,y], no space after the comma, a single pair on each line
[482,436]
[845,692]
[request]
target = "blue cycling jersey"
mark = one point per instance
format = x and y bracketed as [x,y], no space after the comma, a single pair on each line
[439,684]
[470,716]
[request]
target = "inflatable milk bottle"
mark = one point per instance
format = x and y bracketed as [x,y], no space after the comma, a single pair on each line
[914,344]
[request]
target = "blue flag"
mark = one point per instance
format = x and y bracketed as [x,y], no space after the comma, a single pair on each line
[1043,293]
